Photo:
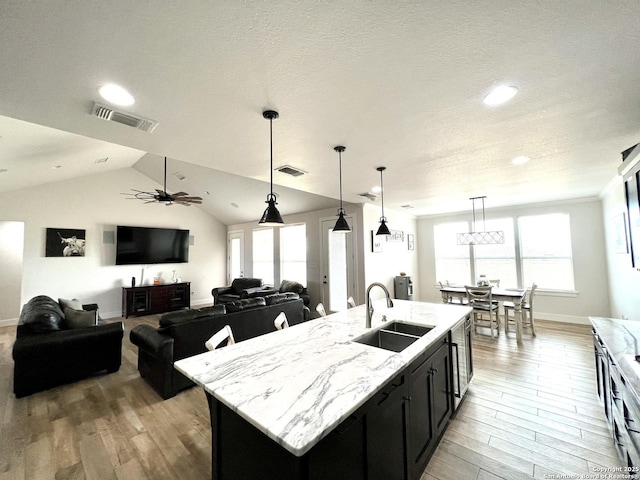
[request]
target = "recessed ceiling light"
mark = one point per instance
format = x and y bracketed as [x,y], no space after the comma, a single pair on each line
[520,160]
[500,95]
[2,170]
[55,167]
[116,94]
[234,204]
[102,160]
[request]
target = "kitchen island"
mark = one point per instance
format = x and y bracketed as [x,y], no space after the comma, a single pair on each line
[311,402]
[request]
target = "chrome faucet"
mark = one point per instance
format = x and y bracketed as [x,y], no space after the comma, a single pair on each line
[370,307]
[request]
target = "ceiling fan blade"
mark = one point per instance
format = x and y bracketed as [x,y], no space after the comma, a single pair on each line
[180,194]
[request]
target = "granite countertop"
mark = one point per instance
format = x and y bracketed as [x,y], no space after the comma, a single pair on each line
[298,384]
[622,340]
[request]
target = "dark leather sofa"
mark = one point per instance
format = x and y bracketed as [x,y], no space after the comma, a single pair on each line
[47,353]
[240,289]
[183,334]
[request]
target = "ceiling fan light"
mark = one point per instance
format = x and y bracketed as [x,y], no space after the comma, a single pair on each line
[341,224]
[383,229]
[271,216]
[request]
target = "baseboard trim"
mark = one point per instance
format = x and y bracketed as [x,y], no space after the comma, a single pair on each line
[9,322]
[558,317]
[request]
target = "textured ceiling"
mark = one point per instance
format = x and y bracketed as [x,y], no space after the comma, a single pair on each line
[399,84]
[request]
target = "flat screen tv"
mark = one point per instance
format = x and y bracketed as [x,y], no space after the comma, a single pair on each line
[143,245]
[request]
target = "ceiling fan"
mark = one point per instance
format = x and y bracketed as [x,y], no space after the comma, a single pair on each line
[162,196]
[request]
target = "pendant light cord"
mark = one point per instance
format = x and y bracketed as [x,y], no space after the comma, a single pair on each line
[271,151]
[382,192]
[340,160]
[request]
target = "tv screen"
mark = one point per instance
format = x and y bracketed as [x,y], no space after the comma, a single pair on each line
[142,245]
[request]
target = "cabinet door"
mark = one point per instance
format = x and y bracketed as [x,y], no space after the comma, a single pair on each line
[420,411]
[386,434]
[441,389]
[602,375]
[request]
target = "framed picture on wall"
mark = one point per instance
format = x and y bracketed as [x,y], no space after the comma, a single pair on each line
[376,242]
[65,242]
[620,233]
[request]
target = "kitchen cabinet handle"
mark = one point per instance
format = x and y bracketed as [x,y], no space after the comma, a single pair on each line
[458,394]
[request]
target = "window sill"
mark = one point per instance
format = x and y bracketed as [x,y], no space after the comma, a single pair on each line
[556,293]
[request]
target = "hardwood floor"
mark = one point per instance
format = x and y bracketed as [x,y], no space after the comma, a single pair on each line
[531,411]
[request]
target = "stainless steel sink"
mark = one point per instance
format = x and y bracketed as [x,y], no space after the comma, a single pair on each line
[418,330]
[394,336]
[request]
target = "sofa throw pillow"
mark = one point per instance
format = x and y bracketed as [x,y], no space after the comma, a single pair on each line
[291,286]
[74,304]
[80,318]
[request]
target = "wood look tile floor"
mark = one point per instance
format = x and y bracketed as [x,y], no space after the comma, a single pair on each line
[531,411]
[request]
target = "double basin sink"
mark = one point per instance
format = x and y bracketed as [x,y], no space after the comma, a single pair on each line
[395,336]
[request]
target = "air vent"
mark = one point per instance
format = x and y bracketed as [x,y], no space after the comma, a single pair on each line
[125,118]
[407,206]
[289,170]
[179,176]
[371,196]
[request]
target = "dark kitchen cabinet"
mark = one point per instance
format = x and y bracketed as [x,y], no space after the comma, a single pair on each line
[390,437]
[602,374]
[430,405]
[386,439]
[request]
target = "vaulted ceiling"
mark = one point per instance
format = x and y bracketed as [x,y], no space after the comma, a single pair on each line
[400,84]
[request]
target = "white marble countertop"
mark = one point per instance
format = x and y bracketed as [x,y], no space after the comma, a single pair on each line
[298,384]
[622,340]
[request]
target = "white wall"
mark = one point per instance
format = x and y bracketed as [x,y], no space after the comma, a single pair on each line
[589,259]
[395,257]
[95,203]
[624,280]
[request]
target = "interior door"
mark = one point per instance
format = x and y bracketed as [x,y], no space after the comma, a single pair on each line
[338,266]
[11,254]
[235,255]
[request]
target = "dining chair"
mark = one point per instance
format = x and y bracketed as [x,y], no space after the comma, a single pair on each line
[320,309]
[223,334]
[351,302]
[281,321]
[527,312]
[480,301]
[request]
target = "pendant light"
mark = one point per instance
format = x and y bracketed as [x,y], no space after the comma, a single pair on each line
[382,229]
[480,238]
[271,216]
[341,224]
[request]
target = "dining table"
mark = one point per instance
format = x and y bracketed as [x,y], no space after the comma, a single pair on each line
[515,295]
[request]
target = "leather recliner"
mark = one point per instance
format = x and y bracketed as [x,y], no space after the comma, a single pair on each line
[239,289]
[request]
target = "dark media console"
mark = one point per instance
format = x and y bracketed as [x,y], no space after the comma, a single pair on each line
[150,299]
